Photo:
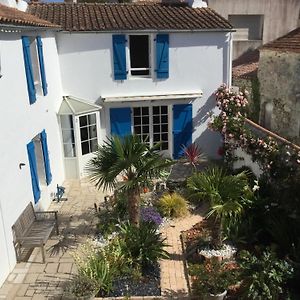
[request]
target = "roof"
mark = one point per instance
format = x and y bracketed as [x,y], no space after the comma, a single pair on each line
[129,16]
[15,17]
[287,43]
[246,66]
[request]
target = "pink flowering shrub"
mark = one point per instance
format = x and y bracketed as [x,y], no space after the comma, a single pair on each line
[231,124]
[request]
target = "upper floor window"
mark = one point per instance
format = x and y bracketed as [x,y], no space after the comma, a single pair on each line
[139,53]
[248,27]
[138,61]
[34,67]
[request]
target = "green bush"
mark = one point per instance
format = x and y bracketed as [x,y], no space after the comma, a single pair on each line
[97,264]
[81,286]
[142,245]
[263,277]
[173,205]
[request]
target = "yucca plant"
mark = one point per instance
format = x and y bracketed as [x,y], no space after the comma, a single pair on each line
[228,195]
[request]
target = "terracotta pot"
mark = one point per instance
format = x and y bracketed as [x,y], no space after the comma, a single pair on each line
[216,297]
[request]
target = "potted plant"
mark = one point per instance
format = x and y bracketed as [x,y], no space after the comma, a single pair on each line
[211,280]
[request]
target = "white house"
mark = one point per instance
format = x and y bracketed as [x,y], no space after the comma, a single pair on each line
[104,69]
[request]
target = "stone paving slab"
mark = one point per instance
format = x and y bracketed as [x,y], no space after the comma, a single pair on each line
[35,280]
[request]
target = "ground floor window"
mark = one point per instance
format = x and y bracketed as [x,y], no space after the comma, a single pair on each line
[39,160]
[151,124]
[68,137]
[88,133]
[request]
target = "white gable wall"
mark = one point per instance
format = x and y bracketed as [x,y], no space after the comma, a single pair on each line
[19,123]
[197,61]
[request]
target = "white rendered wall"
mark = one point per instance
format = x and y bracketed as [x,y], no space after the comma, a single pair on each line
[19,123]
[198,61]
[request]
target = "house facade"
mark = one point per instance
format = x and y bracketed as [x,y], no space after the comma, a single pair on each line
[101,70]
[257,22]
[29,134]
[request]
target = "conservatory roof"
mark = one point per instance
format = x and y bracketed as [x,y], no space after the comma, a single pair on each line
[75,106]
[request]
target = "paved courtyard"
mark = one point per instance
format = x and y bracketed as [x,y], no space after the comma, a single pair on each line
[34,280]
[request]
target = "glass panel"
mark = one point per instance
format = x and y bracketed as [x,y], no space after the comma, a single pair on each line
[137,111]
[145,129]
[92,131]
[84,133]
[156,128]
[164,109]
[85,148]
[145,120]
[137,120]
[66,121]
[164,137]
[164,119]
[156,120]
[92,119]
[156,137]
[137,129]
[69,150]
[164,128]
[83,121]
[68,136]
[155,110]
[164,146]
[139,51]
[145,110]
[94,145]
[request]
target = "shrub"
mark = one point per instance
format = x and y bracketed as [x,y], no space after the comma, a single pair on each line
[212,277]
[263,277]
[142,245]
[173,205]
[96,264]
[150,214]
[81,286]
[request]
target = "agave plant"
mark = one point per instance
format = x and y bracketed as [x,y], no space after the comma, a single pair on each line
[228,195]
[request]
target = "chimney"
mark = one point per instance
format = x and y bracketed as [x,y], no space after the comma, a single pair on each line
[197,3]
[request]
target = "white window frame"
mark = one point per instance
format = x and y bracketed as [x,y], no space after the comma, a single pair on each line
[167,152]
[35,65]
[89,139]
[150,47]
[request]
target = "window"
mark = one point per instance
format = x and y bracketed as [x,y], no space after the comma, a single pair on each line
[152,125]
[39,160]
[139,53]
[248,27]
[67,128]
[88,133]
[35,65]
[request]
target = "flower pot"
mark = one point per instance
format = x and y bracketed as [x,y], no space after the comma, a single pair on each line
[216,297]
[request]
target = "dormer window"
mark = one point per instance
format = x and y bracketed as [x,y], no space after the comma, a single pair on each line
[139,53]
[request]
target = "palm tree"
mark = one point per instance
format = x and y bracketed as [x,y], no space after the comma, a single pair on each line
[228,195]
[135,161]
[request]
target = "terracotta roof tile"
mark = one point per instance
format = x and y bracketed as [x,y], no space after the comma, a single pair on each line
[13,16]
[137,16]
[246,65]
[287,43]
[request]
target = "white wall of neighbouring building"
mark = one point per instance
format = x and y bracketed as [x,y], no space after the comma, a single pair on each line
[19,123]
[198,61]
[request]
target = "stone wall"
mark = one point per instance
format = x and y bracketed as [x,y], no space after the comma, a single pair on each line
[279,78]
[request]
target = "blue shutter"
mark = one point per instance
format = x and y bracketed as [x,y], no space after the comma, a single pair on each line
[182,128]
[120,121]
[119,42]
[162,56]
[28,69]
[46,157]
[33,171]
[42,65]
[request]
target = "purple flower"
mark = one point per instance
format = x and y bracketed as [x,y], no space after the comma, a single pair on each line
[150,214]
